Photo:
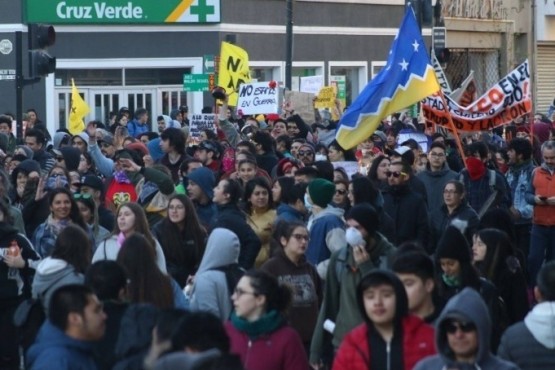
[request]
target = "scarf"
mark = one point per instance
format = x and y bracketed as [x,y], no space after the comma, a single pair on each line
[451,281]
[120,239]
[266,324]
[476,168]
[56,226]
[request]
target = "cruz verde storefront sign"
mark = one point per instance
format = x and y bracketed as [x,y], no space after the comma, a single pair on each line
[122,11]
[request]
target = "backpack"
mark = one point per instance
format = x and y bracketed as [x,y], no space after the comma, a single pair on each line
[28,318]
[233,273]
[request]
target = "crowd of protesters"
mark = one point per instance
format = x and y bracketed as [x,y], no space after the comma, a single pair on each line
[257,246]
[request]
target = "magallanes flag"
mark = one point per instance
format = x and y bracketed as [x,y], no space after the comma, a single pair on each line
[407,78]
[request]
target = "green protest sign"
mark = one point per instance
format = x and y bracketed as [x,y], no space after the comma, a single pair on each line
[122,11]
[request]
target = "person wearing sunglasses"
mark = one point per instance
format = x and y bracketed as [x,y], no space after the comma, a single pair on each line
[463,337]
[389,337]
[289,265]
[400,200]
[305,154]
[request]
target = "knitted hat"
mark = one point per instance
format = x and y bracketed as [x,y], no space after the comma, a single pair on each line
[204,178]
[366,216]
[72,156]
[154,148]
[28,151]
[321,192]
[84,136]
[453,245]
[139,147]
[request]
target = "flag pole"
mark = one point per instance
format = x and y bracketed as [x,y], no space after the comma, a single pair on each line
[452,127]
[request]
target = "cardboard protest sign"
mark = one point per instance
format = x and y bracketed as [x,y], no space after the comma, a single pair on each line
[325,98]
[199,122]
[302,104]
[257,98]
[312,84]
[509,99]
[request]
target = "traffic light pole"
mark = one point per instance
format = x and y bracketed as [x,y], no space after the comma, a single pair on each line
[20,83]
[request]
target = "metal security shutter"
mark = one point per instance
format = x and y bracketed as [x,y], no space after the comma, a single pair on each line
[545,77]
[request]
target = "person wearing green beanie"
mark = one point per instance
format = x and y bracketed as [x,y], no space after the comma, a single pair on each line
[325,224]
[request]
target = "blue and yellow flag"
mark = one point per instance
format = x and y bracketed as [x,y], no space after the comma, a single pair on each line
[79,109]
[407,78]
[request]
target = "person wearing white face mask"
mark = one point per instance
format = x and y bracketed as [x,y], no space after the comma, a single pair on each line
[367,250]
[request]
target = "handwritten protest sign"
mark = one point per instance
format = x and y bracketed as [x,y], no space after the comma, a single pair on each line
[325,98]
[509,99]
[257,98]
[312,84]
[420,138]
[200,122]
[350,167]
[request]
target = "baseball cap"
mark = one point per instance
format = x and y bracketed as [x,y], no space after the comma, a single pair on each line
[92,181]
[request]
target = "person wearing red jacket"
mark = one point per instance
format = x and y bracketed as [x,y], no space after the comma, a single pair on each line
[390,338]
[257,329]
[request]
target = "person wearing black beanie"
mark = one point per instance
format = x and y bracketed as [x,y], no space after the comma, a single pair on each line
[389,333]
[456,272]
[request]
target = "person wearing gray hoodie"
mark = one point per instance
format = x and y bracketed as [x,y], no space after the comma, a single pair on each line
[531,343]
[463,337]
[210,291]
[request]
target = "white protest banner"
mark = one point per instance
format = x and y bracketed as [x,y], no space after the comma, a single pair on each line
[199,122]
[312,84]
[466,94]
[420,138]
[257,98]
[440,74]
[350,167]
[509,99]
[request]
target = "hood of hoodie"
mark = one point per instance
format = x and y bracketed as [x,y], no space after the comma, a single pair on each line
[467,306]
[541,323]
[330,210]
[27,166]
[72,157]
[49,271]
[7,232]
[49,337]
[222,248]
[58,138]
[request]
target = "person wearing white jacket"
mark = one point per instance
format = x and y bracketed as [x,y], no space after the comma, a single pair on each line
[130,219]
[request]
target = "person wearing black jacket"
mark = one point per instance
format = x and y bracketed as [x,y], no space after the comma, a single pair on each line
[226,196]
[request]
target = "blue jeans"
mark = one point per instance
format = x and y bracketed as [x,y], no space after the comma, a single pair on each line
[542,247]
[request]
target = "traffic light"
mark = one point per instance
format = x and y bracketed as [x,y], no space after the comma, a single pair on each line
[41,36]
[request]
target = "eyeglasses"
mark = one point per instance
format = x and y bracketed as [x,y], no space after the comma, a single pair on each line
[300,237]
[82,195]
[305,152]
[451,327]
[395,174]
[340,191]
[239,292]
[437,155]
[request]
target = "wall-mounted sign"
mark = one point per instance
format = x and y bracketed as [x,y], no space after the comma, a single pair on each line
[122,11]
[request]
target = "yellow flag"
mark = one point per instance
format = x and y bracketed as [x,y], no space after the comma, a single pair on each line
[79,109]
[234,70]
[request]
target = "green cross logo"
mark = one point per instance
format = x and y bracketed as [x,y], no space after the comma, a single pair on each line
[202,10]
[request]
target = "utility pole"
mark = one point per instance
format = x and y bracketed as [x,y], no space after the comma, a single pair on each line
[289,44]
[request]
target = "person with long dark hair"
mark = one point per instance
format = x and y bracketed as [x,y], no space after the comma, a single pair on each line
[67,264]
[227,195]
[181,237]
[258,330]
[130,218]
[377,171]
[289,266]
[494,257]
[147,284]
[63,212]
[262,214]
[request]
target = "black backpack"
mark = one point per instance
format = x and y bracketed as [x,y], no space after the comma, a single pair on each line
[28,318]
